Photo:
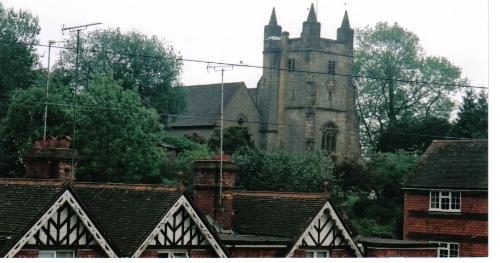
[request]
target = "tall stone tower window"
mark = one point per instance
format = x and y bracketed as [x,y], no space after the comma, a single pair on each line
[331,67]
[329,137]
[291,64]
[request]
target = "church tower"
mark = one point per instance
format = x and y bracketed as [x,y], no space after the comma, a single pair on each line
[308,104]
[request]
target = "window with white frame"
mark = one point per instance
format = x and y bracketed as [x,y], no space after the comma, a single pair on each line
[178,253]
[317,254]
[444,201]
[56,254]
[447,249]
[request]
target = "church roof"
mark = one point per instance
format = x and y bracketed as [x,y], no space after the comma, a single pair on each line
[458,164]
[203,104]
[253,94]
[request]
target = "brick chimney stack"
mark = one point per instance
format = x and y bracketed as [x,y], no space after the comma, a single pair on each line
[50,159]
[206,186]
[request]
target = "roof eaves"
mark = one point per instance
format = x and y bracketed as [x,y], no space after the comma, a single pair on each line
[157,221]
[94,222]
[208,225]
[34,220]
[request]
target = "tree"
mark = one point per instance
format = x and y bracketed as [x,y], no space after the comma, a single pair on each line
[278,171]
[137,61]
[18,32]
[234,138]
[413,134]
[378,212]
[391,53]
[117,136]
[472,117]
[23,123]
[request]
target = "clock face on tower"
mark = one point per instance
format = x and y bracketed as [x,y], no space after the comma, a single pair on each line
[330,85]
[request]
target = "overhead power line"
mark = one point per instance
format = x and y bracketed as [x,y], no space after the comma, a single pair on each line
[215,118]
[457,85]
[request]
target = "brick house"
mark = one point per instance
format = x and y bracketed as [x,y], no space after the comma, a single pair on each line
[50,214]
[446,198]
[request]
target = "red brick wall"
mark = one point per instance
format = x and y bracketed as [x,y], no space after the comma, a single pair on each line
[89,253]
[448,227]
[299,253]
[255,252]
[203,254]
[473,250]
[27,253]
[392,252]
[341,253]
[149,253]
[206,190]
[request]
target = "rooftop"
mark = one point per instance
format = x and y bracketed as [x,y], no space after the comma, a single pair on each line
[458,164]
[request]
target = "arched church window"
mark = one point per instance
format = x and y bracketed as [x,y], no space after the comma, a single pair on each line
[329,137]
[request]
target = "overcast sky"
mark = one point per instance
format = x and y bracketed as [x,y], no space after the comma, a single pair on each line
[232,30]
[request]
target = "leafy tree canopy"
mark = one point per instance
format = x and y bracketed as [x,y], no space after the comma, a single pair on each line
[114,145]
[278,171]
[391,53]
[234,138]
[18,32]
[376,207]
[472,117]
[137,61]
[413,134]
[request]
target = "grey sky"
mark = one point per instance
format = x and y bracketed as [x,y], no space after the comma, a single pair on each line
[232,30]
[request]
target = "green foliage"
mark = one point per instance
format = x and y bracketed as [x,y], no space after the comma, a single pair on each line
[278,171]
[406,134]
[23,123]
[389,170]
[137,61]
[375,206]
[353,174]
[185,161]
[124,147]
[181,142]
[114,145]
[472,119]
[234,139]
[390,52]
[18,58]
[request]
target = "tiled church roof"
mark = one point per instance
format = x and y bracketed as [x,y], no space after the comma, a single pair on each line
[460,164]
[204,101]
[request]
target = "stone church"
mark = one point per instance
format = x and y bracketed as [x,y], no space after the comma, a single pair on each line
[303,102]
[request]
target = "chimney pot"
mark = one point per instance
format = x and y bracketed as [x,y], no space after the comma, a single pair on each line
[50,159]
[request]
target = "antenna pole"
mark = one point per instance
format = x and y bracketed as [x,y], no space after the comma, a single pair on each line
[47,93]
[222,69]
[78,29]
[77,74]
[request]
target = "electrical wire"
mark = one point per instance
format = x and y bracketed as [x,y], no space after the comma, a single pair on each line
[226,120]
[457,85]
